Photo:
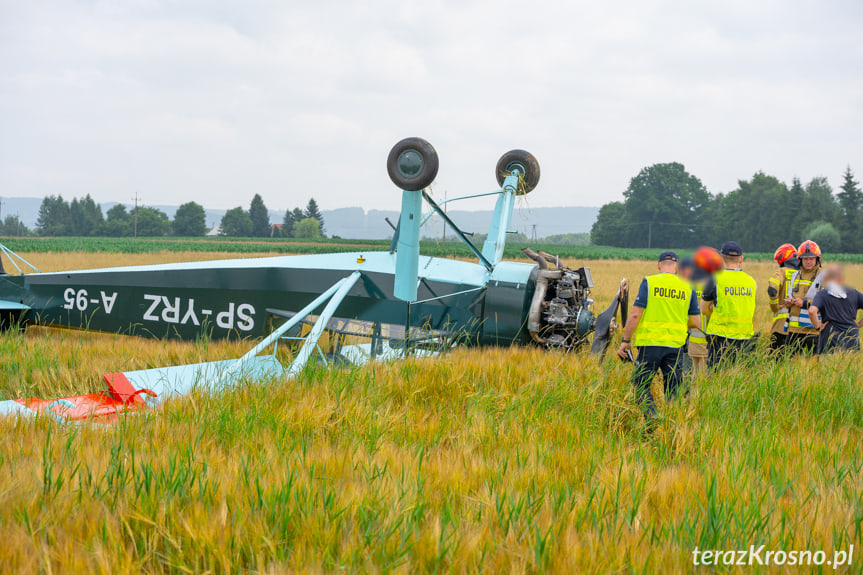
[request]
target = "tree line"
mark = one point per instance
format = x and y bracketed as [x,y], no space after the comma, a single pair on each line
[83,217]
[665,206]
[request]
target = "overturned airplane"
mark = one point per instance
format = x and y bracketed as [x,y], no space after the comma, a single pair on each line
[400,302]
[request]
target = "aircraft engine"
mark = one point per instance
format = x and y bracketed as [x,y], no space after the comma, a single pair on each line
[561,310]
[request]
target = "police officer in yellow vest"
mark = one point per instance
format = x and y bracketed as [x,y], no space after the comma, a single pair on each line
[786,257]
[696,346]
[729,304]
[661,316]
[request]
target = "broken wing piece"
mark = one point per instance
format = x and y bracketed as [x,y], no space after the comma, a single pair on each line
[605,322]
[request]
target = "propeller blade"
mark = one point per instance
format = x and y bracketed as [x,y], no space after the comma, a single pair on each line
[602,328]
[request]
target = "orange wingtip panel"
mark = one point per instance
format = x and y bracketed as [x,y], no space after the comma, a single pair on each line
[120,386]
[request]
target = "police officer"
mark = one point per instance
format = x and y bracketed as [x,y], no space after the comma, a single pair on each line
[799,290]
[696,345]
[662,313]
[786,257]
[729,304]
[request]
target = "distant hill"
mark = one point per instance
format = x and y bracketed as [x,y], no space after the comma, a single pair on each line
[370,224]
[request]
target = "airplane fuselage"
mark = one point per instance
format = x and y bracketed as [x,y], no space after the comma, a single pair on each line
[237,298]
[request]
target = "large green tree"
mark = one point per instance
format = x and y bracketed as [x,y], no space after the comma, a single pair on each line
[755,215]
[236,223]
[819,203]
[825,235]
[312,211]
[54,219]
[288,224]
[152,222]
[307,228]
[118,222]
[851,218]
[260,217]
[13,226]
[86,216]
[664,205]
[190,220]
[606,230]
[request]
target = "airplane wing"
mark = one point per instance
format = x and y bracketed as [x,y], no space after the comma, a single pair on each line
[6,305]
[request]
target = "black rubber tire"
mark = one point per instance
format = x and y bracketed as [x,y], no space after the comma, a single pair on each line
[525,160]
[427,173]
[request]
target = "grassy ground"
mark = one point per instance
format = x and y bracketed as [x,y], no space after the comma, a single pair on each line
[492,460]
[250,246]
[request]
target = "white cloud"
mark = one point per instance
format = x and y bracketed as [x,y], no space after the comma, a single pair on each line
[215,100]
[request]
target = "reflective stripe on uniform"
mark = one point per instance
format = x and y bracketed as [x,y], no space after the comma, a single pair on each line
[782,312]
[802,320]
[697,336]
[795,282]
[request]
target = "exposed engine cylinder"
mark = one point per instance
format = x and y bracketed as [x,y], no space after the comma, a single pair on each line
[560,313]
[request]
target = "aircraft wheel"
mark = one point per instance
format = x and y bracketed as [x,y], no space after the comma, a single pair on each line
[526,164]
[412,164]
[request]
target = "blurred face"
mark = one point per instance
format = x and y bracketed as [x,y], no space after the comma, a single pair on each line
[808,262]
[668,266]
[685,273]
[836,275]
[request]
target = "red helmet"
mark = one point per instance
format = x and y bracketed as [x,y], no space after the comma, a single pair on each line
[784,253]
[707,259]
[809,249]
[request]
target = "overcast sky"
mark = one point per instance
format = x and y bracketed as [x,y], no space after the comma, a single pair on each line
[213,101]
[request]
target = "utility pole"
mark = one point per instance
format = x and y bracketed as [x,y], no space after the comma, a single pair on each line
[18,217]
[649,233]
[137,199]
[533,232]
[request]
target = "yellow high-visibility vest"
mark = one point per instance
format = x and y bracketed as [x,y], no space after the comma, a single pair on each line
[697,335]
[735,305]
[666,316]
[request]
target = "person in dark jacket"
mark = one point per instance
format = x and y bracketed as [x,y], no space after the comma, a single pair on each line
[834,313]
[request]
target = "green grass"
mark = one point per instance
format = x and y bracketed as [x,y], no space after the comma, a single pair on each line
[509,460]
[452,248]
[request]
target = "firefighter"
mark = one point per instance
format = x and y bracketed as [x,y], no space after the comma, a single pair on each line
[729,304]
[786,257]
[799,291]
[696,345]
[661,316]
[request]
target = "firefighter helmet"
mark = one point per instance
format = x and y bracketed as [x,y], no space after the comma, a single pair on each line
[707,259]
[784,253]
[809,249]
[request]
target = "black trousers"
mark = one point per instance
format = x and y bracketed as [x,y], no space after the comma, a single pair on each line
[803,343]
[778,340]
[652,359]
[726,350]
[837,340]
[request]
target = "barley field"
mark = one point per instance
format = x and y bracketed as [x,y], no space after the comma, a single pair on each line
[484,460]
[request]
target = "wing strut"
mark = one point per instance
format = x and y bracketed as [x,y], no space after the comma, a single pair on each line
[126,390]
[335,294]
